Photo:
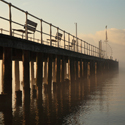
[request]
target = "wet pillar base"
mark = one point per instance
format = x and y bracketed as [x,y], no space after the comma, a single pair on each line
[18,98]
[34,91]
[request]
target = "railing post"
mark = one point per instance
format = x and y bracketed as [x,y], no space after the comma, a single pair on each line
[41,32]
[58,36]
[64,39]
[10,19]
[81,46]
[26,29]
[87,48]
[91,50]
[69,41]
[77,43]
[74,43]
[84,47]
[50,34]
[1,30]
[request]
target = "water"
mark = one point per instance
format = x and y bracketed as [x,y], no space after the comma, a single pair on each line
[99,100]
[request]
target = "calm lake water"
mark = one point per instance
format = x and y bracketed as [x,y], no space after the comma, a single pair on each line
[99,100]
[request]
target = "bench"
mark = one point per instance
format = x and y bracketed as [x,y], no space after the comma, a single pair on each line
[58,37]
[30,26]
[72,44]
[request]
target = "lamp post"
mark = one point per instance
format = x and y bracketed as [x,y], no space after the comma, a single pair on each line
[76,29]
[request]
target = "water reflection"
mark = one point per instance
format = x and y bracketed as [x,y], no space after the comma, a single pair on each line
[56,107]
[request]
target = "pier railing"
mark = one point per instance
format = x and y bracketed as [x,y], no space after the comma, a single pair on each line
[46,34]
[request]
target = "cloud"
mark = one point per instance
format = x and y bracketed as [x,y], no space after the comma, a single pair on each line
[114,36]
[116,40]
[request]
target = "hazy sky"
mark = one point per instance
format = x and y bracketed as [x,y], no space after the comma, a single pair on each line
[91,16]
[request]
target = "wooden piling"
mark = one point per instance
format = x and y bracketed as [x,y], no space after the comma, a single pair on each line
[26,78]
[39,73]
[81,68]
[76,69]
[58,69]
[32,74]
[7,71]
[49,71]
[63,68]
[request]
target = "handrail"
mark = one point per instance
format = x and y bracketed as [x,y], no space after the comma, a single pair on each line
[85,47]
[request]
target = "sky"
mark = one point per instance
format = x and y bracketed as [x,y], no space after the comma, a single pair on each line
[91,17]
